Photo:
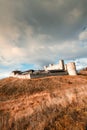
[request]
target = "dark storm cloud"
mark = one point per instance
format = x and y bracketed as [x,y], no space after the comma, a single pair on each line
[61,19]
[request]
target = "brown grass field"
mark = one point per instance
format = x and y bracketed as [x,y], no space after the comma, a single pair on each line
[50,103]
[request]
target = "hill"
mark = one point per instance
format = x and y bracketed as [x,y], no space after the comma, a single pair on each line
[50,103]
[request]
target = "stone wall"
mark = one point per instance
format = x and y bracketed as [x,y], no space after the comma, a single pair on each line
[21,76]
[48,74]
[40,75]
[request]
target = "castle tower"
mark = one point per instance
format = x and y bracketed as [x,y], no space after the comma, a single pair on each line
[71,68]
[61,64]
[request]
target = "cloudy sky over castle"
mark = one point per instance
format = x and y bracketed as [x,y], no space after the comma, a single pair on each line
[34,33]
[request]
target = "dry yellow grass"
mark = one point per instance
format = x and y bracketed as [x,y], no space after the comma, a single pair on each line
[52,103]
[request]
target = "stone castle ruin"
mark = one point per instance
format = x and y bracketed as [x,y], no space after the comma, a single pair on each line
[59,66]
[51,70]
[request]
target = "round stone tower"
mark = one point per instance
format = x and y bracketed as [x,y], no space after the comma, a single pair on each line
[71,68]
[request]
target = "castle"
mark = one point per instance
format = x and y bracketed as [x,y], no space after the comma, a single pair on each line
[51,70]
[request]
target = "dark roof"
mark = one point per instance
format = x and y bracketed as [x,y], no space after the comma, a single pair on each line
[16,72]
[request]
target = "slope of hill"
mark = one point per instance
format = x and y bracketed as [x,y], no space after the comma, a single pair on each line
[52,103]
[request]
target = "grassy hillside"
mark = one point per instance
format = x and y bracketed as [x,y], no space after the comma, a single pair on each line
[52,103]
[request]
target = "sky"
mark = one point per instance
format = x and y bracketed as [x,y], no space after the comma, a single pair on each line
[34,33]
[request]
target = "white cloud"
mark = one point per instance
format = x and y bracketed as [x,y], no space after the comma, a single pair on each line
[9,52]
[83,35]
